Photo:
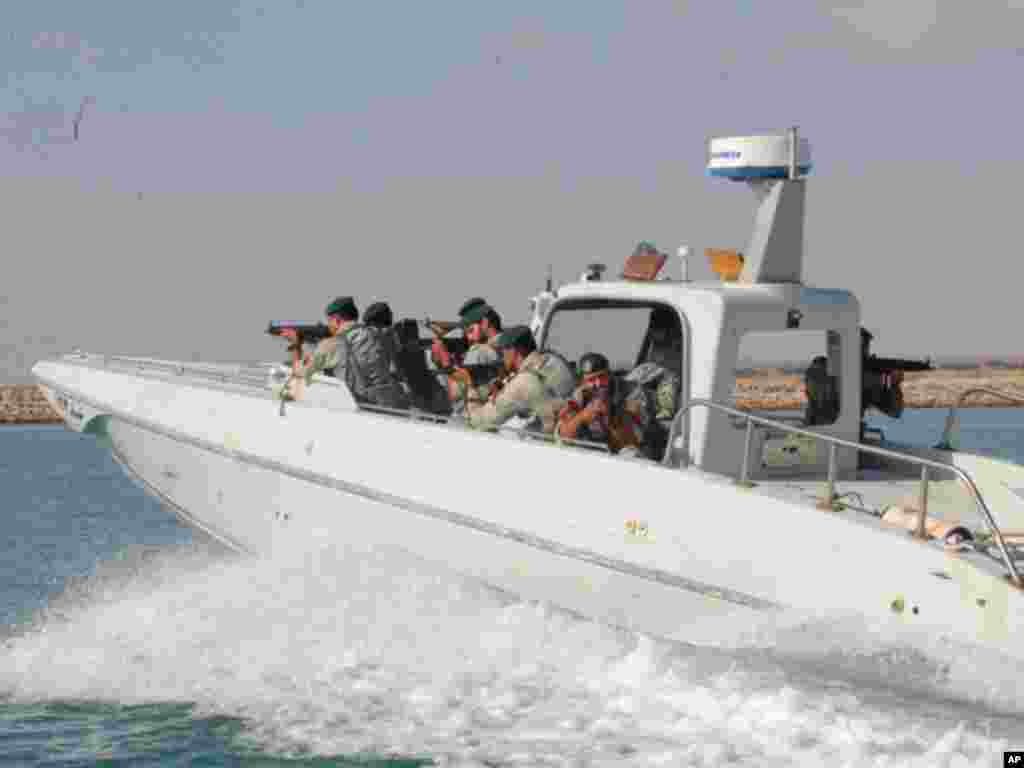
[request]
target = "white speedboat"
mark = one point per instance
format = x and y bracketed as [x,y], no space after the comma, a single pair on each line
[745,518]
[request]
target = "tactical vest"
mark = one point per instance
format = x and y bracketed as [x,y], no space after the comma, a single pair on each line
[367,368]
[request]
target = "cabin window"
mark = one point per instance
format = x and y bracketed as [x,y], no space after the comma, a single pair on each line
[628,335]
[644,347]
[791,375]
[643,343]
[615,332]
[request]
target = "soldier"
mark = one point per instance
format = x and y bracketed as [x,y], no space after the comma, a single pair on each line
[539,381]
[352,353]
[379,320]
[440,356]
[481,325]
[341,314]
[597,414]
[662,364]
[822,395]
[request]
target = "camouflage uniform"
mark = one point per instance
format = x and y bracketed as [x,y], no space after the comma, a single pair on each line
[622,427]
[654,398]
[479,354]
[536,392]
[662,382]
[323,360]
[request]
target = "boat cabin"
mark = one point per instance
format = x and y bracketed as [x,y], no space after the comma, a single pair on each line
[760,304]
[716,325]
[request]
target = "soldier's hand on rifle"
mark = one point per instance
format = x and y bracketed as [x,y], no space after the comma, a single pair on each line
[439,353]
[595,408]
[292,335]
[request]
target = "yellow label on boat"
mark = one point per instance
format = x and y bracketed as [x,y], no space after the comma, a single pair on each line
[638,528]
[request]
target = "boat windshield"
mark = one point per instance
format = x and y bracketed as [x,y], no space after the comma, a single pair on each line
[619,332]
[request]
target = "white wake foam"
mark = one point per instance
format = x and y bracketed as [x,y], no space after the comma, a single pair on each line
[360,650]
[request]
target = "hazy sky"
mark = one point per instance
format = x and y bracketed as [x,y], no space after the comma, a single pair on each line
[238,162]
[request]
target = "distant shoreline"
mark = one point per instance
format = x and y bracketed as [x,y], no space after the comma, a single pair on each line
[940,388]
[761,389]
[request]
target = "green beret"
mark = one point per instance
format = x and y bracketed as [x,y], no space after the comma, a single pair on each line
[343,305]
[475,314]
[476,301]
[516,336]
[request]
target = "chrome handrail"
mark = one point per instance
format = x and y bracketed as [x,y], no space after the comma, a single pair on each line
[237,373]
[833,442]
[946,442]
[257,375]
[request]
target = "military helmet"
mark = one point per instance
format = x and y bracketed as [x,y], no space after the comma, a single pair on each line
[378,313]
[591,363]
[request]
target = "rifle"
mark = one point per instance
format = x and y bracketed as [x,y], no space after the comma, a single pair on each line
[871,363]
[881,378]
[876,364]
[456,346]
[303,331]
[441,328]
[482,373]
[490,375]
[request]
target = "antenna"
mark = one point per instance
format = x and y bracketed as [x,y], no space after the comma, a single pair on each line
[78,117]
[547,284]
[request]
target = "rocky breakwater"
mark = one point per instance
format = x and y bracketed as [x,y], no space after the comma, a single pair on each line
[25,404]
[775,390]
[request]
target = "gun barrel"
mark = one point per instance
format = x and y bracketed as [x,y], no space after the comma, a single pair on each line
[311,331]
[479,374]
[897,364]
[442,327]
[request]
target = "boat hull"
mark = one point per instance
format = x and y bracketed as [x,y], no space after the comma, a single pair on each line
[271,510]
[673,553]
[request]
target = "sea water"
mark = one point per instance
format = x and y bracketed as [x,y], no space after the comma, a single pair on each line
[130,640]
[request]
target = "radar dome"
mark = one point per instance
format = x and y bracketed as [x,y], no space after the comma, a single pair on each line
[757,157]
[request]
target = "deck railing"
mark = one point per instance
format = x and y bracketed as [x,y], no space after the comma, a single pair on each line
[258,375]
[253,375]
[946,441]
[834,443]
